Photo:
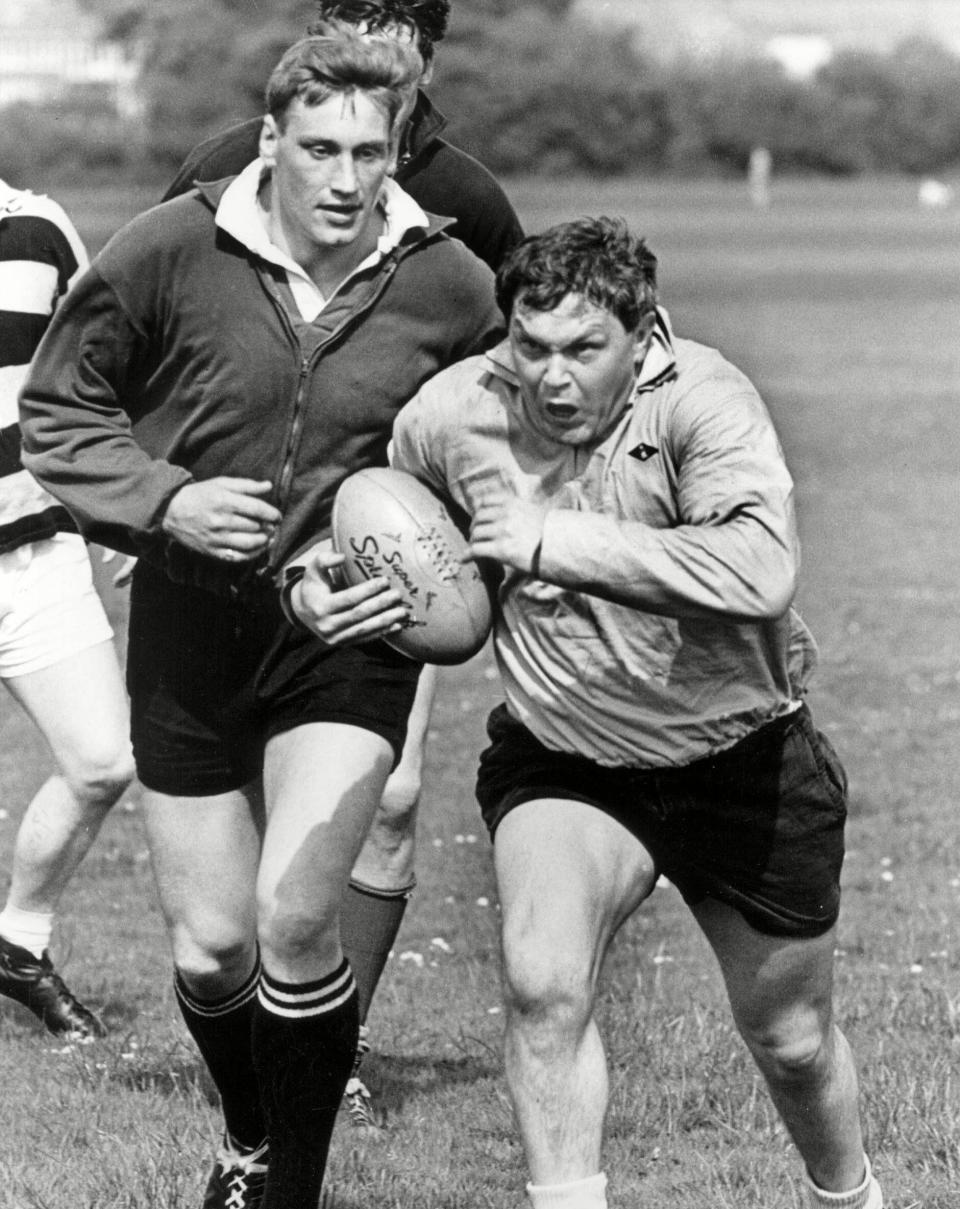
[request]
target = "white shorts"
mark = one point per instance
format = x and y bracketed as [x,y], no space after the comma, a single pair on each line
[49,608]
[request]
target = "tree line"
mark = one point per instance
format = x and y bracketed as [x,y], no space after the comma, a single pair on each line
[527,89]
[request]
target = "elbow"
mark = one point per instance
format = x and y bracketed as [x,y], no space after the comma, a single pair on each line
[771,595]
[774,606]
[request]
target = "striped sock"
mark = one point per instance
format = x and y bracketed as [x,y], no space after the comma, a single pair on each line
[304,1040]
[223,1031]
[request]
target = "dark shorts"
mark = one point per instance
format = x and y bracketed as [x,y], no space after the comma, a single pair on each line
[758,826]
[212,679]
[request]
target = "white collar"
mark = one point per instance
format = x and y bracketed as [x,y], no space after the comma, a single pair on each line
[659,361]
[239,215]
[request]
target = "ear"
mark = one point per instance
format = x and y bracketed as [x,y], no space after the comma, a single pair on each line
[643,336]
[426,75]
[393,150]
[269,134]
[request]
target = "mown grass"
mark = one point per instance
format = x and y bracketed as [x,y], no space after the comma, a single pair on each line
[842,302]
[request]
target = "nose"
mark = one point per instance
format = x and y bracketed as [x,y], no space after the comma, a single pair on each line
[345,177]
[555,373]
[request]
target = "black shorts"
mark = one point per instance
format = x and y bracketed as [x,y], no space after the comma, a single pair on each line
[758,826]
[212,679]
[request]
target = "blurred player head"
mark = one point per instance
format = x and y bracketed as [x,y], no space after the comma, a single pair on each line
[580,300]
[422,22]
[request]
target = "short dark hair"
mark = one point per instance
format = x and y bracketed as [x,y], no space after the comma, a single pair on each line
[597,258]
[425,18]
[314,69]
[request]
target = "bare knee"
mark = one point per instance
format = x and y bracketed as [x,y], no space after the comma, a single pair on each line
[294,937]
[547,995]
[396,816]
[796,1052]
[212,964]
[97,780]
[387,858]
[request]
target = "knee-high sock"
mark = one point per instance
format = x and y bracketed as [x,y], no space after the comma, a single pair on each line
[223,1031]
[369,923]
[304,1038]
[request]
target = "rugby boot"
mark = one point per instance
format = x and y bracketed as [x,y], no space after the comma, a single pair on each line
[358,1101]
[238,1179]
[34,982]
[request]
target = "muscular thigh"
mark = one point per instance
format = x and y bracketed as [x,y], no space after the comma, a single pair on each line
[322,783]
[81,709]
[568,876]
[205,852]
[779,986]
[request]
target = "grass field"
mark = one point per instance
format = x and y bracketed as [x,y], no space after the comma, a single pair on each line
[842,301]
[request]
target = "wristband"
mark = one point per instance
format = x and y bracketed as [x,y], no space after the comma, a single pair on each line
[291,577]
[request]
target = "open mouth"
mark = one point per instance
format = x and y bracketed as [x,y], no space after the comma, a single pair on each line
[564,412]
[340,213]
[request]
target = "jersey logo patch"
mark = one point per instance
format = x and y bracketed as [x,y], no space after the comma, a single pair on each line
[643,453]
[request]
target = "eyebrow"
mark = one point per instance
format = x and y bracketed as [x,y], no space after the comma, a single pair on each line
[522,332]
[578,341]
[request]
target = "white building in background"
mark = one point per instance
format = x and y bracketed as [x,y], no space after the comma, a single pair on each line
[49,46]
[800,55]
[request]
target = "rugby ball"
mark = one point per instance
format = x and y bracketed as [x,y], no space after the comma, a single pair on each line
[388,523]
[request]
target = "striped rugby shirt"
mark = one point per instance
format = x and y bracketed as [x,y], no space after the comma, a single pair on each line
[40,256]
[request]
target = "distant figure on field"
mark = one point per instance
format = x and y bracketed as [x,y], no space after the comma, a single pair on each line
[56,651]
[634,492]
[933,194]
[759,171]
[443,180]
[229,358]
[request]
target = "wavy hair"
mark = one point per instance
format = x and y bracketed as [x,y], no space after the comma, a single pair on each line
[597,258]
[316,68]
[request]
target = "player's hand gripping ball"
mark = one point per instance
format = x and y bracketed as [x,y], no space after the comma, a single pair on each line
[388,523]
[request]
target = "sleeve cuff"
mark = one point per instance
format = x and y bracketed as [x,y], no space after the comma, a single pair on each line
[291,577]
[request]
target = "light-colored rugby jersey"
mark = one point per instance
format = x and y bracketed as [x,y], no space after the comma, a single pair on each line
[665,632]
[40,256]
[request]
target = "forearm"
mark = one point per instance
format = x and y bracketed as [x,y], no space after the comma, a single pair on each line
[78,438]
[740,570]
[117,493]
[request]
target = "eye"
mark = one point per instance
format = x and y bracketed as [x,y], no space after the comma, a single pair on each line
[529,348]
